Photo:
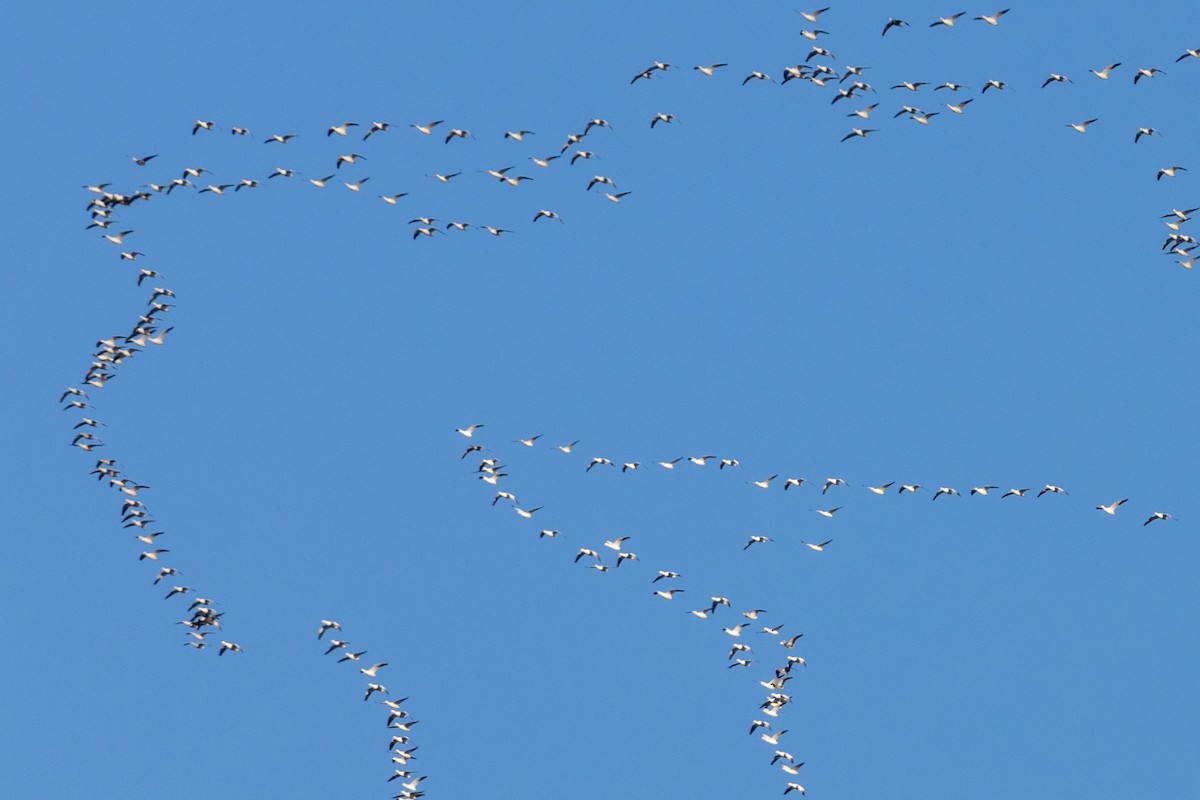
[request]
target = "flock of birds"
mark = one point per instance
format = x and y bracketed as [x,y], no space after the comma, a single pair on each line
[609,554]
[399,721]
[149,330]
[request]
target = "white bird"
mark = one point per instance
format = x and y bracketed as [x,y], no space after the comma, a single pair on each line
[1144,132]
[1056,78]
[469,431]
[615,544]
[772,739]
[910,487]
[994,19]
[1167,171]
[668,594]
[660,117]
[757,540]
[947,21]
[374,668]
[818,547]
[992,84]
[736,630]
[349,158]
[827,513]
[586,551]
[881,489]
[765,483]
[790,482]
[1103,74]
[1016,492]
[1111,508]
[527,514]
[813,35]
[391,199]
[669,464]
[1080,126]
[427,129]
[597,460]
[945,490]
[566,448]
[1147,73]
[547,215]
[700,461]
[231,647]
[372,688]
[832,482]
[376,127]
[1052,490]
[794,787]
[709,69]
[354,187]
[665,574]
[320,182]
[811,16]
[757,76]
[341,130]
[1157,515]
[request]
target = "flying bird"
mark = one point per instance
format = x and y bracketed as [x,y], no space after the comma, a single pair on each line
[947,21]
[994,19]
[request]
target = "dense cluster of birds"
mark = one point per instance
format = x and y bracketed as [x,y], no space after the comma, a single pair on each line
[111,353]
[847,83]
[399,722]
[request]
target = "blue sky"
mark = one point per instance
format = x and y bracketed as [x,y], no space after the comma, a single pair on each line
[980,300]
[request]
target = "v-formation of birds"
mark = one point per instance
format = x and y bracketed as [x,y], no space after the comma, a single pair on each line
[847,83]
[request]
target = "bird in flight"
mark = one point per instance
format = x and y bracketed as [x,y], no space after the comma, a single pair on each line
[947,21]
[994,19]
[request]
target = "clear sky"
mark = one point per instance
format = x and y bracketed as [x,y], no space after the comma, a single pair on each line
[980,300]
